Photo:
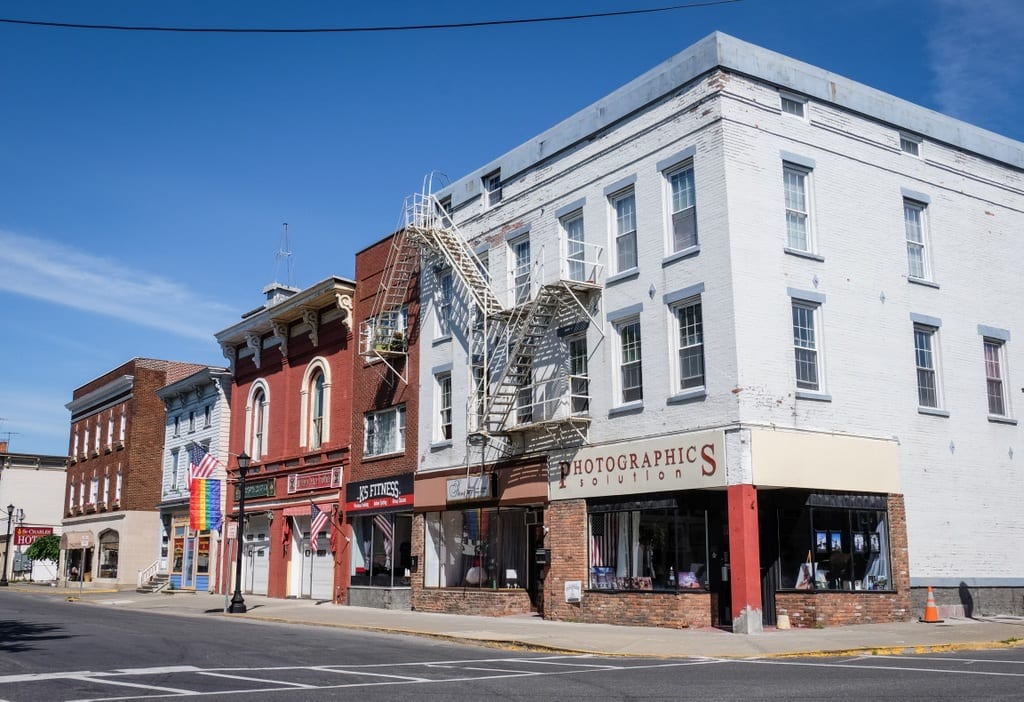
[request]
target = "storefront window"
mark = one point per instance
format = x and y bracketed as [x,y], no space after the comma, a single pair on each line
[109,542]
[484,548]
[648,546]
[203,553]
[829,548]
[383,553]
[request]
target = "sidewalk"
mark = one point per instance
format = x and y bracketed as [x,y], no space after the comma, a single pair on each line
[532,632]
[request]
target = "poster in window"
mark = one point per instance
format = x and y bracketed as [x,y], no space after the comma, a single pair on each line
[859,542]
[821,541]
[876,543]
[836,540]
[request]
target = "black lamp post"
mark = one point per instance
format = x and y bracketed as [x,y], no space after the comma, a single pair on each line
[237,605]
[7,545]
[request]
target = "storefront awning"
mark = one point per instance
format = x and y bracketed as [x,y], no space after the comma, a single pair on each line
[304,510]
[75,539]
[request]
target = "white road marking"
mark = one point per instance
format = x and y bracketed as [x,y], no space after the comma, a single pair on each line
[101,680]
[251,679]
[159,670]
[346,671]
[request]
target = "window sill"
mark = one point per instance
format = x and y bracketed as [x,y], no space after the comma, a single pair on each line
[803,254]
[634,407]
[382,456]
[624,275]
[922,281]
[933,411]
[815,396]
[996,419]
[692,395]
[441,445]
[688,252]
[444,339]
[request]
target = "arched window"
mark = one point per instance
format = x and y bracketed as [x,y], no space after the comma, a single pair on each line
[109,544]
[315,402]
[257,411]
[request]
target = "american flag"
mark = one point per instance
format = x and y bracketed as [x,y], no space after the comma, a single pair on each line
[317,522]
[201,463]
[387,532]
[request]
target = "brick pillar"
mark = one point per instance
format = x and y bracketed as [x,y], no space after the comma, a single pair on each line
[744,560]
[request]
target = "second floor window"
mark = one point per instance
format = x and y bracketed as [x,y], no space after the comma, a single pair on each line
[624,206]
[575,251]
[691,345]
[995,384]
[384,432]
[805,345]
[798,216]
[316,424]
[913,224]
[259,424]
[444,303]
[630,357]
[444,406]
[521,273]
[684,208]
[924,358]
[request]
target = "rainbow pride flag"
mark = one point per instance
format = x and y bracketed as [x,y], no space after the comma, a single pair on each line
[204,504]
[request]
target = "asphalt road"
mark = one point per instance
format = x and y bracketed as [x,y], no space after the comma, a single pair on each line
[57,650]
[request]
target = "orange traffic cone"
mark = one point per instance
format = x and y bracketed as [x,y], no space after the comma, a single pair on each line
[931,612]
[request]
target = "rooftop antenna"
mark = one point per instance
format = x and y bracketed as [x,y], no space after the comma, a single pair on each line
[284,252]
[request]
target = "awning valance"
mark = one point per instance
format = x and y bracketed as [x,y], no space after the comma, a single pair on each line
[75,539]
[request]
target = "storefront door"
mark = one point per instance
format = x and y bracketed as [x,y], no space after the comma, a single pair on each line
[317,572]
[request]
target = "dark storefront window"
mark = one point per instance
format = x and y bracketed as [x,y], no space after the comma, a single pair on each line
[648,546]
[383,547]
[485,548]
[834,548]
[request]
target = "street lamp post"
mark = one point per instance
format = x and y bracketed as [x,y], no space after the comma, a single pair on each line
[7,544]
[237,605]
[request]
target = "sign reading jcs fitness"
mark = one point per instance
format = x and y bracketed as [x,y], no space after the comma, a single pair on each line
[677,462]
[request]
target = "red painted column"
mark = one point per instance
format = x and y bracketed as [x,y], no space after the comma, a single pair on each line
[744,559]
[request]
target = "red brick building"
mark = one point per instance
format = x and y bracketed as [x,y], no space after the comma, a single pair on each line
[111,518]
[291,365]
[379,488]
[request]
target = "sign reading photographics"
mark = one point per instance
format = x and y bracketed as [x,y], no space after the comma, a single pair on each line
[677,462]
[26,535]
[315,481]
[381,493]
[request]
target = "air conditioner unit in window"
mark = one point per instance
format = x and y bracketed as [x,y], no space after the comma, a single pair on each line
[533,517]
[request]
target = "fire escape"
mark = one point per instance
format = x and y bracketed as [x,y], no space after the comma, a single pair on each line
[510,411]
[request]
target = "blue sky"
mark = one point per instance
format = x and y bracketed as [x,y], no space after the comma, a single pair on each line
[144,177]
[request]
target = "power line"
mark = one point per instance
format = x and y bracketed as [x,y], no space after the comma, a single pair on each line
[354,30]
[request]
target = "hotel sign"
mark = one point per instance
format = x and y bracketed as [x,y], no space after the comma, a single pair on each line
[678,462]
[320,480]
[26,535]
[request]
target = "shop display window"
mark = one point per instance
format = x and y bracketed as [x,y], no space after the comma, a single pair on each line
[382,556]
[658,546]
[482,548]
[833,548]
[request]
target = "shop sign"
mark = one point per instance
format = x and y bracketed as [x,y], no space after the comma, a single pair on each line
[475,487]
[678,462]
[256,488]
[315,481]
[26,535]
[382,493]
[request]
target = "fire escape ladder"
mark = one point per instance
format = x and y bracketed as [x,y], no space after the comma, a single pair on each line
[384,335]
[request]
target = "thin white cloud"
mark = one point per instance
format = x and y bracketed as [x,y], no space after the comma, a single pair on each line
[65,276]
[976,50]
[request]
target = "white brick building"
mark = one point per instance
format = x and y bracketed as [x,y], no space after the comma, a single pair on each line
[790,315]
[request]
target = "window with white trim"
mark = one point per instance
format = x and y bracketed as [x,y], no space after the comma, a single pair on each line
[317,405]
[910,145]
[683,201]
[94,489]
[630,356]
[796,182]
[522,283]
[384,432]
[175,470]
[792,105]
[117,487]
[927,365]
[995,376]
[575,249]
[258,418]
[110,430]
[177,425]
[85,444]
[492,189]
[444,303]
[444,407]
[74,446]
[624,210]
[806,345]
[96,437]
[524,397]
[124,425]
[689,344]
[191,421]
[207,416]
[914,227]
[579,374]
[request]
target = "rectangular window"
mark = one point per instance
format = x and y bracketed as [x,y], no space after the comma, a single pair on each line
[624,206]
[630,356]
[684,208]
[579,375]
[94,490]
[994,377]
[110,430]
[657,547]
[175,468]
[384,558]
[444,406]
[124,425]
[81,493]
[798,229]
[384,432]
[177,425]
[793,106]
[207,416]
[444,303]
[910,145]
[117,488]
[524,397]
[914,226]
[927,375]
[492,189]
[574,246]
[805,345]
[74,446]
[85,444]
[96,437]
[691,345]
[192,421]
[521,273]
[476,548]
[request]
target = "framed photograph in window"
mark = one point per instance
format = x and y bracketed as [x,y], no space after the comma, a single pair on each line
[836,540]
[876,542]
[821,541]
[859,542]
